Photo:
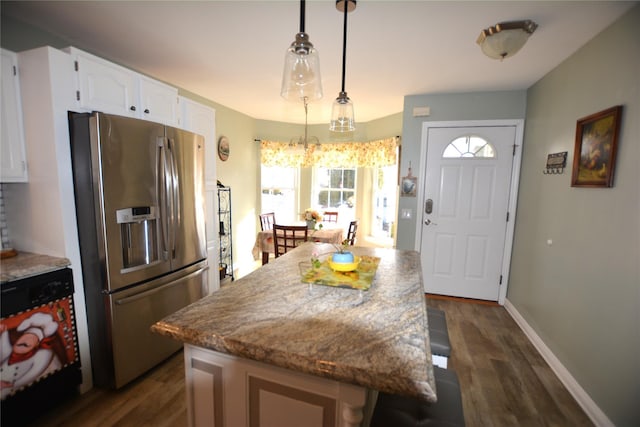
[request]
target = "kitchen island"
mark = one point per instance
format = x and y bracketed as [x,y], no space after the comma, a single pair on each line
[270,350]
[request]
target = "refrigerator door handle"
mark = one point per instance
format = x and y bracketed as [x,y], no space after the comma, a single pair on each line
[163,196]
[175,197]
[150,292]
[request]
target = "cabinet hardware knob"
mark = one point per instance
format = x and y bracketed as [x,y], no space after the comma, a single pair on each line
[133,108]
[146,111]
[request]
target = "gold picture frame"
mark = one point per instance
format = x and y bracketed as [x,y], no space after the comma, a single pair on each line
[594,156]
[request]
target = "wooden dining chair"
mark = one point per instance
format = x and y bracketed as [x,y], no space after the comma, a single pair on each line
[267,220]
[288,237]
[351,233]
[330,216]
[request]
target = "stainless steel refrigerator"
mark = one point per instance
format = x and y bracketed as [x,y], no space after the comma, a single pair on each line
[139,192]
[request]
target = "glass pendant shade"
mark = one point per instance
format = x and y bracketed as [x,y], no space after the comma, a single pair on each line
[342,114]
[505,39]
[301,76]
[342,110]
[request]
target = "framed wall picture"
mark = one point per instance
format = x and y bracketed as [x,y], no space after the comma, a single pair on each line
[408,184]
[223,148]
[594,156]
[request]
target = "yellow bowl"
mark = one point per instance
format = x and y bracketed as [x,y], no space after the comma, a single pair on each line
[344,266]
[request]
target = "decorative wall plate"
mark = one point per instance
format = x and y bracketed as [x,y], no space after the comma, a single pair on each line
[223,148]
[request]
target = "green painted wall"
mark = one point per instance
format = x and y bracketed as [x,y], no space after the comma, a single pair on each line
[582,293]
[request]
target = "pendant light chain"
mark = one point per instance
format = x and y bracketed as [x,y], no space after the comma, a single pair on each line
[302,15]
[306,111]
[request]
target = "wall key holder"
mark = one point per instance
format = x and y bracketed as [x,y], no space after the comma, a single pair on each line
[556,163]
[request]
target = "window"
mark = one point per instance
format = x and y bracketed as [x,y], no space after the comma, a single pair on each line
[336,187]
[384,201]
[279,192]
[469,146]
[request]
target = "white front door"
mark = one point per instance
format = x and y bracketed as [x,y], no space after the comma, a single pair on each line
[464,209]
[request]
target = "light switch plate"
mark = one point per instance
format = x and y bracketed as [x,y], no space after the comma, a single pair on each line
[406,213]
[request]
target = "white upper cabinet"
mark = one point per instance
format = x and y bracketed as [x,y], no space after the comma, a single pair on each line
[104,86]
[158,101]
[201,119]
[109,88]
[13,165]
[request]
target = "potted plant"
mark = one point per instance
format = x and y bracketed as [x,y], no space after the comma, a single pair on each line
[342,255]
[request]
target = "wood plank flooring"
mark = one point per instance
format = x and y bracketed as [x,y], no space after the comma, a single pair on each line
[504,381]
[157,399]
[503,378]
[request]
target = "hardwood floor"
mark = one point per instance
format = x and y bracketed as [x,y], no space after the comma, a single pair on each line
[504,381]
[155,400]
[503,378]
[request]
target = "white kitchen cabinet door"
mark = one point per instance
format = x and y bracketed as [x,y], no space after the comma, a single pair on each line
[13,164]
[110,88]
[105,86]
[201,119]
[226,390]
[158,101]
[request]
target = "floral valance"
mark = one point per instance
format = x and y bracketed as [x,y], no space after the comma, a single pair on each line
[378,153]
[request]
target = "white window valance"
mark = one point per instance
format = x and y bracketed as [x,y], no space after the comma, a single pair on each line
[377,153]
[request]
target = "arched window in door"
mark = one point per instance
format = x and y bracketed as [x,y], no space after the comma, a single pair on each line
[471,146]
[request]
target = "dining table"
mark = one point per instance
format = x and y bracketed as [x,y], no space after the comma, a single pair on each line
[328,233]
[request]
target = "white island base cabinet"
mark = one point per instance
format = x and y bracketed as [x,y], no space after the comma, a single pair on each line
[225,390]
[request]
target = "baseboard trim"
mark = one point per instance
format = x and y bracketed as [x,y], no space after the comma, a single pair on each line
[587,404]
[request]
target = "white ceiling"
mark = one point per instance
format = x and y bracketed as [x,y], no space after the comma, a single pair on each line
[232,52]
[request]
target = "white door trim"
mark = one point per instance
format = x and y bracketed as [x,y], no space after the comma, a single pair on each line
[513,193]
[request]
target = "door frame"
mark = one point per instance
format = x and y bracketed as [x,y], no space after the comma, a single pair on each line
[513,192]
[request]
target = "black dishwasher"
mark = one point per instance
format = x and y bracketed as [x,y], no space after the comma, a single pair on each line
[38,346]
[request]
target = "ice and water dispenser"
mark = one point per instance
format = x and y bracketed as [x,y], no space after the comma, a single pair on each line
[139,235]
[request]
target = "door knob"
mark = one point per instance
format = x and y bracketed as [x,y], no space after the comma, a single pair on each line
[428,222]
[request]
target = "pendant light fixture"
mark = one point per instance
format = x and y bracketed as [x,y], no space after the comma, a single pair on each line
[305,140]
[301,77]
[342,110]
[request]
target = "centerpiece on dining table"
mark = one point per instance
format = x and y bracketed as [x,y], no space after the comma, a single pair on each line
[312,217]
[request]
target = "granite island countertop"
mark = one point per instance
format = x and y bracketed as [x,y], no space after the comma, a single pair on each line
[376,339]
[27,264]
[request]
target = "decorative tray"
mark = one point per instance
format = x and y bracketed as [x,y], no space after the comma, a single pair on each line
[360,278]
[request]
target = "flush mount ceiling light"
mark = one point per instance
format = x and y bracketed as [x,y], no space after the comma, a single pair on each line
[506,38]
[305,140]
[301,77]
[342,110]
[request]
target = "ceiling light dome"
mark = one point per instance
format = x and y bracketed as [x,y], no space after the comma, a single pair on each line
[506,38]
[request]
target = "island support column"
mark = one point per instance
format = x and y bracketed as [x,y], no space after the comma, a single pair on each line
[225,390]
